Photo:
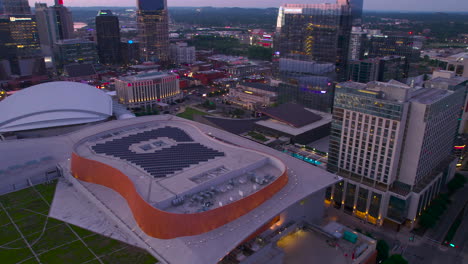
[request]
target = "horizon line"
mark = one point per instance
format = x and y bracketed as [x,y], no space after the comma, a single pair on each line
[372,10]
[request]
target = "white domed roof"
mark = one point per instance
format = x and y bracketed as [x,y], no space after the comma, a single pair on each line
[54,104]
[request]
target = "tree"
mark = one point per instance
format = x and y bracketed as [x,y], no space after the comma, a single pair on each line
[427,220]
[456,183]
[238,112]
[260,53]
[382,250]
[395,259]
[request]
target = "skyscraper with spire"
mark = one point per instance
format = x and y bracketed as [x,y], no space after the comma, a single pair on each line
[153,30]
[54,23]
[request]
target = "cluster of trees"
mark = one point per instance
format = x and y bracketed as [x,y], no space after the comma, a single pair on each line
[431,215]
[221,17]
[443,26]
[209,105]
[237,112]
[260,53]
[231,46]
[383,254]
[224,45]
[456,183]
[147,111]
[218,93]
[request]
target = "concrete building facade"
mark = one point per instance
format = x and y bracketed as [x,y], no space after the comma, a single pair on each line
[148,89]
[182,53]
[393,145]
[54,23]
[458,63]
[70,51]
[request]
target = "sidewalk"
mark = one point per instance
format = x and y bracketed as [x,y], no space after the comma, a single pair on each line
[459,199]
[393,238]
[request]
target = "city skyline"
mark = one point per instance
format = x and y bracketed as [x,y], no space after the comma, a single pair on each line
[381,5]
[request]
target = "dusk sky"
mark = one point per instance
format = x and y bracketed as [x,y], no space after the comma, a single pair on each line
[410,5]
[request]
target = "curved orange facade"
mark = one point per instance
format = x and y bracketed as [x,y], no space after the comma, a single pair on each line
[161,224]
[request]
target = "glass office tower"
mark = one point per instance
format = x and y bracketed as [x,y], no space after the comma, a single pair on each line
[108,37]
[312,49]
[153,30]
[15,7]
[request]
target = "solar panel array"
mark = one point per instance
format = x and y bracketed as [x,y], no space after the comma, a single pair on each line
[164,162]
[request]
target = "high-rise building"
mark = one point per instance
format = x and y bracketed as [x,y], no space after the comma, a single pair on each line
[19,36]
[54,23]
[357,43]
[312,46]
[392,144]
[69,51]
[378,69]
[130,50]
[448,80]
[15,7]
[20,52]
[356,11]
[108,37]
[153,30]
[381,45]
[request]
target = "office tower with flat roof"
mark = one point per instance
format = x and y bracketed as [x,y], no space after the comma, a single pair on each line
[153,30]
[356,11]
[130,50]
[312,46]
[15,7]
[182,53]
[357,43]
[54,23]
[108,37]
[20,51]
[20,37]
[392,144]
[381,45]
[71,51]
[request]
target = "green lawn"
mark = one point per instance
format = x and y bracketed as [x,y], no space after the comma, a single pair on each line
[189,113]
[51,240]
[257,136]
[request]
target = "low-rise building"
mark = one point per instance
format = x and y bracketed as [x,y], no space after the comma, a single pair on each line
[253,95]
[79,72]
[458,63]
[300,124]
[243,71]
[148,89]
[206,77]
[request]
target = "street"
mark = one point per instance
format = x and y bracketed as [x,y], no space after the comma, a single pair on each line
[423,250]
